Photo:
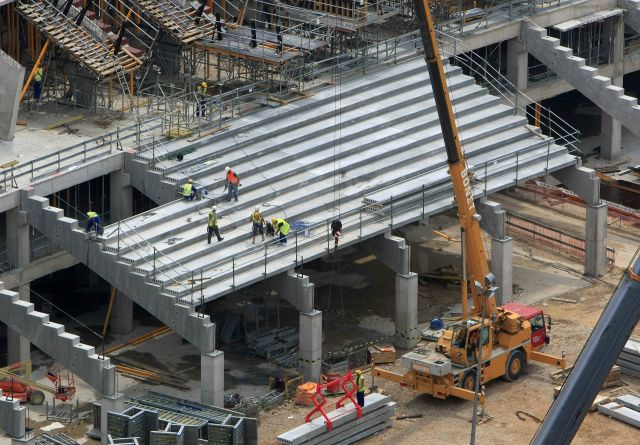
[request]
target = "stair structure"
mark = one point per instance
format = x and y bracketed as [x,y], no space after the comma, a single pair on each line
[177,21]
[97,371]
[584,78]
[373,157]
[77,41]
[142,289]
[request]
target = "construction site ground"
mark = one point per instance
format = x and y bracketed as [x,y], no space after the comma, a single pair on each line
[360,306]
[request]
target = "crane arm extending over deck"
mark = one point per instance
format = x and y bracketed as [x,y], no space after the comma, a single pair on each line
[460,176]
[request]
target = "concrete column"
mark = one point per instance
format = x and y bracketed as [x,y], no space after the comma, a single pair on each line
[502,267]
[611,129]
[310,345]
[121,196]
[212,378]
[12,75]
[596,240]
[406,310]
[517,63]
[121,314]
[18,347]
[114,403]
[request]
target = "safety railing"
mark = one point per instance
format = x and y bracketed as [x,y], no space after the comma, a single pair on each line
[70,157]
[548,121]
[403,206]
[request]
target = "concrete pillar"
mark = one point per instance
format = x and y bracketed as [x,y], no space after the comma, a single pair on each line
[121,314]
[517,63]
[596,240]
[310,345]
[502,267]
[406,310]
[121,196]
[18,347]
[212,378]
[611,129]
[12,75]
[114,403]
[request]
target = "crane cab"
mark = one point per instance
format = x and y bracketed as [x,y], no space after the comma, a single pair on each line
[539,328]
[462,339]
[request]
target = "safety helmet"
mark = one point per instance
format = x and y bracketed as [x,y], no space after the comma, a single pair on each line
[190,180]
[204,84]
[227,168]
[214,208]
[358,371]
[273,221]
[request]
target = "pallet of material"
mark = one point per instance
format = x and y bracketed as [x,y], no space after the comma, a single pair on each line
[624,408]
[629,359]
[377,413]
[381,354]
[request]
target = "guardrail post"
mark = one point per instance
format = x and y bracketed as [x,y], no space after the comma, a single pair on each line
[32,170]
[265,259]
[546,169]
[118,240]
[84,150]
[391,211]
[423,202]
[233,273]
[295,232]
[154,263]
[517,165]
[58,153]
[485,178]
[192,282]
[360,223]
[201,293]
[328,247]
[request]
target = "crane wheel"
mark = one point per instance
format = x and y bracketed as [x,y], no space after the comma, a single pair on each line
[515,365]
[469,381]
[36,397]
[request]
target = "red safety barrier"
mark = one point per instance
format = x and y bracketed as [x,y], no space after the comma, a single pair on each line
[319,400]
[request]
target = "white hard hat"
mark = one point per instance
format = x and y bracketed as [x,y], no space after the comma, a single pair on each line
[227,168]
[214,208]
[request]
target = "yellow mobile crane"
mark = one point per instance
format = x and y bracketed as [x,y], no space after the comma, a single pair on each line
[503,339]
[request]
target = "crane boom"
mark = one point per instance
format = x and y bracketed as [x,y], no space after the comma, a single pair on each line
[458,170]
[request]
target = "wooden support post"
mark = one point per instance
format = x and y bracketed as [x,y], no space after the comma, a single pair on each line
[131,89]
[33,71]
[536,118]
[109,309]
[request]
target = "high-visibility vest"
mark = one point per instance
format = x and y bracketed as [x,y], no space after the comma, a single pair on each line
[360,383]
[232,178]
[283,226]
[92,214]
[202,92]
[186,189]
[256,217]
[38,76]
[213,219]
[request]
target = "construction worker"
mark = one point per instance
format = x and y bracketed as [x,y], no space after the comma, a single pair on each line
[189,191]
[336,231]
[257,224]
[202,99]
[360,387]
[212,225]
[281,229]
[37,84]
[232,184]
[94,220]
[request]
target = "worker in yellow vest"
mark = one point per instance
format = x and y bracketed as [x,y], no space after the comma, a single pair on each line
[93,220]
[360,387]
[257,224]
[189,191]
[212,225]
[202,99]
[281,229]
[37,84]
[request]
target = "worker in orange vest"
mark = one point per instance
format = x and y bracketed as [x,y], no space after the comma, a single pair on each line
[232,184]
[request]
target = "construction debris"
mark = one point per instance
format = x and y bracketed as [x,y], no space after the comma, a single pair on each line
[624,408]
[381,354]
[377,414]
[629,360]
[305,393]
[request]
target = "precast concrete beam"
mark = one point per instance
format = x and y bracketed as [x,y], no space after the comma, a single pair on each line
[407,335]
[494,218]
[596,240]
[310,345]
[392,251]
[297,290]
[582,181]
[212,378]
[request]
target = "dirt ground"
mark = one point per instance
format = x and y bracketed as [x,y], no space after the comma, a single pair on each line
[515,408]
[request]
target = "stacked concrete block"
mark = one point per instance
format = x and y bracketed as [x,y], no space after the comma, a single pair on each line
[12,417]
[629,360]
[625,408]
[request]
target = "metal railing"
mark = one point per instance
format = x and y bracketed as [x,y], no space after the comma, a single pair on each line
[366,220]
